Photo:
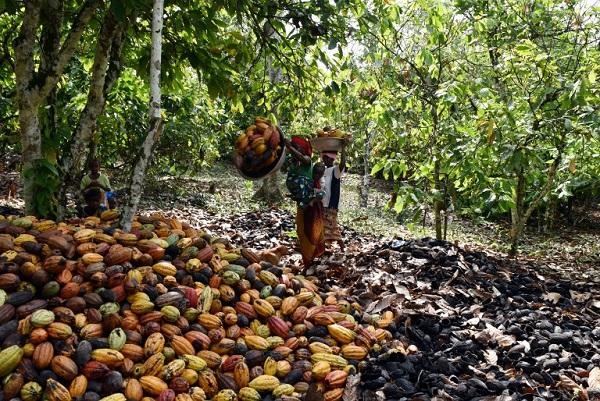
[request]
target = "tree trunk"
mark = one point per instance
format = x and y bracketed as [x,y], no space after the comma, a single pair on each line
[136,185]
[516,213]
[108,54]
[156,121]
[366,181]
[51,19]
[34,89]
[437,185]
[270,191]
[27,99]
[520,216]
[437,203]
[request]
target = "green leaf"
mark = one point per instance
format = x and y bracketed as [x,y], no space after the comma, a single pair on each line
[592,77]
[377,168]
[399,205]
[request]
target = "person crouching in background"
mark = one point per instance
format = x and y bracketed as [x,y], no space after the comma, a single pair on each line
[97,179]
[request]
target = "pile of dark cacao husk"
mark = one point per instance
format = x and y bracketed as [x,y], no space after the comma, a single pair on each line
[484,328]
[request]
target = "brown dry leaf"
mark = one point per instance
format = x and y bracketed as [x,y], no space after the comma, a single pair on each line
[594,380]
[491,356]
[383,303]
[351,390]
[400,289]
[554,297]
[580,296]
[495,336]
[568,384]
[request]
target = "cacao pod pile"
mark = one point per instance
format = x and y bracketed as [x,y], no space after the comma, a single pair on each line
[165,312]
[258,148]
[330,133]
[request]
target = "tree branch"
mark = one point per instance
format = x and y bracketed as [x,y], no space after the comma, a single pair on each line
[24,44]
[49,79]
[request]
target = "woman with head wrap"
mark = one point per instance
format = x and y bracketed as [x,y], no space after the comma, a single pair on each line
[309,211]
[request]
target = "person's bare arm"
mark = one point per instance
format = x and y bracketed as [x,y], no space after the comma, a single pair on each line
[299,156]
[343,157]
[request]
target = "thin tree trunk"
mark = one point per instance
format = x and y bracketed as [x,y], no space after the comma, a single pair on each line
[51,19]
[156,121]
[517,223]
[366,181]
[437,185]
[136,185]
[108,47]
[519,215]
[437,203]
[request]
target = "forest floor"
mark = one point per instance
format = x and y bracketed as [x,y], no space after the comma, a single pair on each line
[571,251]
[478,325]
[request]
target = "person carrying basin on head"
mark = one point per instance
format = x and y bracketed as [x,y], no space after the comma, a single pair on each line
[306,192]
[331,200]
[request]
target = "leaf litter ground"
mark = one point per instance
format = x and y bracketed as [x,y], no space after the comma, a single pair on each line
[477,326]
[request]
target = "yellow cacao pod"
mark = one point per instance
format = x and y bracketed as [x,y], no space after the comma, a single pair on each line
[31,391]
[225,395]
[257,343]
[340,333]
[115,397]
[164,268]
[134,390]
[263,308]
[154,344]
[335,361]
[195,362]
[354,352]
[283,389]
[92,257]
[9,359]
[154,364]
[270,366]
[173,369]
[56,391]
[264,383]
[249,394]
[78,386]
[209,321]
[108,356]
[320,370]
[84,235]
